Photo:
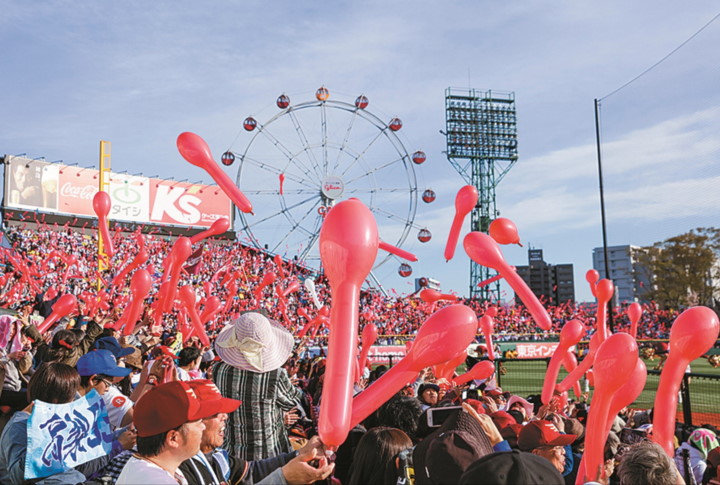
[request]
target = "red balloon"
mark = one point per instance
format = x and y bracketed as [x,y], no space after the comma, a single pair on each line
[141,257]
[431,296]
[268,278]
[615,356]
[218,227]
[480,371]
[65,305]
[369,336]
[188,297]
[634,312]
[194,149]
[592,277]
[281,177]
[570,335]
[504,231]
[583,367]
[491,311]
[279,264]
[484,250]
[693,333]
[401,253]
[291,288]
[444,335]
[627,394]
[447,369]
[465,201]
[604,292]
[101,206]
[179,253]
[488,328]
[212,306]
[348,249]
[140,285]
[570,363]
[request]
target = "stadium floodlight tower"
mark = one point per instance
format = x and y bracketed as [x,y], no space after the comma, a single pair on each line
[481,135]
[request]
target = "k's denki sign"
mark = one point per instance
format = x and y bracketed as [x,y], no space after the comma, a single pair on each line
[52,187]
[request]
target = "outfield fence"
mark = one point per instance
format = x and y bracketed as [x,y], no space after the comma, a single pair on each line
[698,399]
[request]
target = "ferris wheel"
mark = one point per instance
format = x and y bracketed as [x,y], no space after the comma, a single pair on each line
[311,155]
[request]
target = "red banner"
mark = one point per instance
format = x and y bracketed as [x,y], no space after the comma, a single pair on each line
[38,185]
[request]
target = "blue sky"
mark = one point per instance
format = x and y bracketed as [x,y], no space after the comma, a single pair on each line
[139,73]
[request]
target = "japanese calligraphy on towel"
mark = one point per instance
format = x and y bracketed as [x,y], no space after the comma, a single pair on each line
[62,436]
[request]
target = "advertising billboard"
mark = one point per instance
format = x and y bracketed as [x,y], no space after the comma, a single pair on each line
[56,188]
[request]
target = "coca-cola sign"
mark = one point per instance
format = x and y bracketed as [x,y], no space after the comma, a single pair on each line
[86,192]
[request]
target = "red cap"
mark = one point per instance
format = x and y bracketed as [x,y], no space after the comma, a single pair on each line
[167,407]
[502,419]
[542,433]
[211,401]
[476,405]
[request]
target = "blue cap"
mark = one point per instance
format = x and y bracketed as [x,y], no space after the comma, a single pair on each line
[100,362]
[112,344]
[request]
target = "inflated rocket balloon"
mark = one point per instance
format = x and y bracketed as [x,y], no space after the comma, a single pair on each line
[141,257]
[488,328]
[634,312]
[570,363]
[465,201]
[626,395]
[484,251]
[570,335]
[369,336]
[615,359]
[504,231]
[348,249]
[281,177]
[429,295]
[212,306]
[604,292]
[291,288]
[101,206]
[218,227]
[446,370]
[480,371]
[268,278]
[444,335]
[194,149]
[140,285]
[489,281]
[310,287]
[583,367]
[65,305]
[592,277]
[692,334]
[401,253]
[188,298]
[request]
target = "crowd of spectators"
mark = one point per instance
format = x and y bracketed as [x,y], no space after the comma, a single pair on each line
[234,272]
[244,409]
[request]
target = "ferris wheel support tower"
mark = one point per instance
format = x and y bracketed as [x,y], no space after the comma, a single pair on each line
[481,135]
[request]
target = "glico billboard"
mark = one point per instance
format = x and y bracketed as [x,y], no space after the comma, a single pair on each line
[61,189]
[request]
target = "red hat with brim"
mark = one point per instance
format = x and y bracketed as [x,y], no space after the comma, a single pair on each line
[542,433]
[169,406]
[211,401]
